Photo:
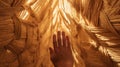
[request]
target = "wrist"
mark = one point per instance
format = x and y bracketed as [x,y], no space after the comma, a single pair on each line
[64,64]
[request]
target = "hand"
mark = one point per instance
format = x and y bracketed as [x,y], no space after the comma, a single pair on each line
[62,54]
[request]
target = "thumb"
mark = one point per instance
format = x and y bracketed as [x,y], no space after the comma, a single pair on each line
[52,53]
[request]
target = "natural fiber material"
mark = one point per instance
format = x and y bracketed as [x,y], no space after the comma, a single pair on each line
[27,27]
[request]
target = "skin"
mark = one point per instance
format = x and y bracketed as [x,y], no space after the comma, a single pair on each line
[61,56]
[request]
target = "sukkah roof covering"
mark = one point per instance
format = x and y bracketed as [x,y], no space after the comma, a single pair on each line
[96,22]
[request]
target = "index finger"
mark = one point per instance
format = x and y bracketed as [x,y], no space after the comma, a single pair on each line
[54,42]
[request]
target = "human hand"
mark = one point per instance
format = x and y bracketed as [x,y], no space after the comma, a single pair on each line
[62,54]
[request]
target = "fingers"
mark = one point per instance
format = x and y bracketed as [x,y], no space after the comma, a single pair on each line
[59,38]
[55,42]
[59,42]
[63,39]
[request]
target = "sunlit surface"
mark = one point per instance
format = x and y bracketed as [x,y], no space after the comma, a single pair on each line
[24,15]
[56,17]
[60,15]
[27,28]
[59,10]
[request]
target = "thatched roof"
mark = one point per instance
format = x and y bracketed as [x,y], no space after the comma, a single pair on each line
[27,26]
